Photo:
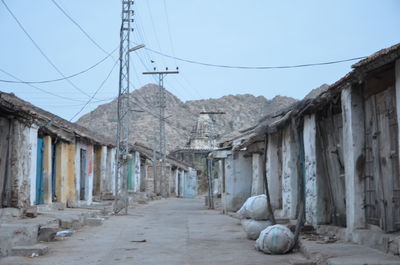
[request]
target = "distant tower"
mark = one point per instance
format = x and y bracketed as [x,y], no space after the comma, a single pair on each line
[202,135]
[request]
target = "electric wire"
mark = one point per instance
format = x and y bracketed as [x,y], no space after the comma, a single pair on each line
[176,77]
[140,35]
[154,27]
[30,83]
[89,37]
[169,28]
[71,105]
[40,89]
[254,67]
[40,49]
[79,26]
[19,81]
[97,90]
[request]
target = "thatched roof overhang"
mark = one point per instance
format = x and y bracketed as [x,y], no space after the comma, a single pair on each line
[274,122]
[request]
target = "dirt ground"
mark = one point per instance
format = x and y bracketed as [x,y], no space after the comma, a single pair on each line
[172,231]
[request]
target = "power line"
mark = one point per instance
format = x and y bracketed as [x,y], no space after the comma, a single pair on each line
[70,105]
[255,67]
[172,47]
[58,79]
[40,89]
[141,35]
[40,50]
[88,35]
[79,26]
[97,90]
[169,28]
[153,27]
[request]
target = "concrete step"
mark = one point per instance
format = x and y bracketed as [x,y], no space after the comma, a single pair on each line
[343,253]
[12,235]
[29,251]
[302,261]
[71,223]
[9,213]
[94,221]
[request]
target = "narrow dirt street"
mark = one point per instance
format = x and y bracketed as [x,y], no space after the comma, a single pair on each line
[175,231]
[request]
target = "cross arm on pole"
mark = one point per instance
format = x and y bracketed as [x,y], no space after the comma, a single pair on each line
[161,73]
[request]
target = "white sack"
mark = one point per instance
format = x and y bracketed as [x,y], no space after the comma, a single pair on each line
[275,239]
[253,228]
[255,208]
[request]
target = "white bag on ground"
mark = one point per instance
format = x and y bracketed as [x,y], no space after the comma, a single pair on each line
[275,239]
[253,228]
[255,208]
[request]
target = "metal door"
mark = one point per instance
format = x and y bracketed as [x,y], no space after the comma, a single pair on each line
[382,189]
[83,171]
[39,172]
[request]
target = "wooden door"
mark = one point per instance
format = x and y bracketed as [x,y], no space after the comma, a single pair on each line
[143,176]
[179,184]
[83,174]
[382,198]
[5,192]
[330,163]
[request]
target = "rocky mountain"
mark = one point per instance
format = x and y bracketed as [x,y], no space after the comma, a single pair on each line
[242,111]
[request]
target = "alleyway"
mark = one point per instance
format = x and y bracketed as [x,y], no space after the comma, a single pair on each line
[177,231]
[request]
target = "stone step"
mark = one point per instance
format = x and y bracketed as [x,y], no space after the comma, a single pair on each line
[29,251]
[343,253]
[94,221]
[9,213]
[70,223]
[12,235]
[301,261]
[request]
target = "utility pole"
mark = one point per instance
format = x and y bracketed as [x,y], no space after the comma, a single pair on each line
[161,133]
[123,109]
[212,136]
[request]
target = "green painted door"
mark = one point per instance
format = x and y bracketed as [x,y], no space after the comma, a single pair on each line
[130,174]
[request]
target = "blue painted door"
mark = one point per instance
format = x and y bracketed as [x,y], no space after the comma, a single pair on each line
[39,172]
[53,172]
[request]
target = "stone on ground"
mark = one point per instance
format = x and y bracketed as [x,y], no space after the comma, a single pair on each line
[29,251]
[95,221]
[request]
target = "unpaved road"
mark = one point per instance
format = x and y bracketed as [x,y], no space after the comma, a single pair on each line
[177,231]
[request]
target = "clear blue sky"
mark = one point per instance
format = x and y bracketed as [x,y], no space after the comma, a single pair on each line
[253,33]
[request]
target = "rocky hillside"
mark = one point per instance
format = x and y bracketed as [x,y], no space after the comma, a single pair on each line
[242,111]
